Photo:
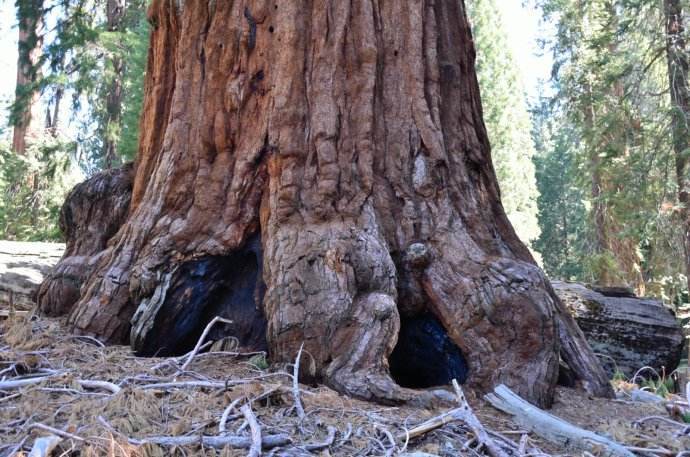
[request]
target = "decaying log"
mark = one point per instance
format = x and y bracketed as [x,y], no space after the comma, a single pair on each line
[23,267]
[92,213]
[550,427]
[629,332]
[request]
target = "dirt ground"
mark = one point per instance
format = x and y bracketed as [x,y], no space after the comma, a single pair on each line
[101,422]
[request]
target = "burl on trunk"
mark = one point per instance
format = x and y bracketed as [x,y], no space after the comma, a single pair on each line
[319,172]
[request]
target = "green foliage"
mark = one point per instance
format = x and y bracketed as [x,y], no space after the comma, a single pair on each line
[79,59]
[562,203]
[32,189]
[136,44]
[259,361]
[507,118]
[611,141]
[661,386]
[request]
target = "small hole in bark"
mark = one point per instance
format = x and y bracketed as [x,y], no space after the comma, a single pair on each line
[395,53]
[425,356]
[271,29]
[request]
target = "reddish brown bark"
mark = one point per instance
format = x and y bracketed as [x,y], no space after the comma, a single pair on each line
[347,138]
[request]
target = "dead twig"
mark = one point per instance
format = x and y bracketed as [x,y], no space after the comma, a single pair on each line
[55,431]
[226,413]
[105,385]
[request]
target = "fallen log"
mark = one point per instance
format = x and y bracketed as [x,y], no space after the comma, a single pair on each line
[552,428]
[627,332]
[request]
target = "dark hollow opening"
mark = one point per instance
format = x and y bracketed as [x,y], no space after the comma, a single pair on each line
[425,356]
[228,286]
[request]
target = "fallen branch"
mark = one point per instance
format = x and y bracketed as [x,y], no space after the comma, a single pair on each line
[661,419]
[201,340]
[218,442]
[19,383]
[463,414]
[550,427]
[255,428]
[55,431]
[645,450]
[105,385]
[209,384]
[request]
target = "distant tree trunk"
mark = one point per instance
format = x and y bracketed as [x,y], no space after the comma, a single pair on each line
[609,240]
[115,12]
[26,114]
[319,172]
[677,58]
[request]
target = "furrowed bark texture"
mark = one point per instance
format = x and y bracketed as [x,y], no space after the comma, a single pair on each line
[320,170]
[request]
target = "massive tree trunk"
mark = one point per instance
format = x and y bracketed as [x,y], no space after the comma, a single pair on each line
[26,113]
[319,172]
[678,66]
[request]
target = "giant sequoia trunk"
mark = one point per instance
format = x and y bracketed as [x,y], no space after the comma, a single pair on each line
[319,172]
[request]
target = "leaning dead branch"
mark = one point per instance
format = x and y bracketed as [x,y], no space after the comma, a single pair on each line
[467,416]
[226,414]
[295,385]
[201,340]
[550,427]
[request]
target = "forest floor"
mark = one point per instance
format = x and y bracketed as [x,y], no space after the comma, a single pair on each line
[142,401]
